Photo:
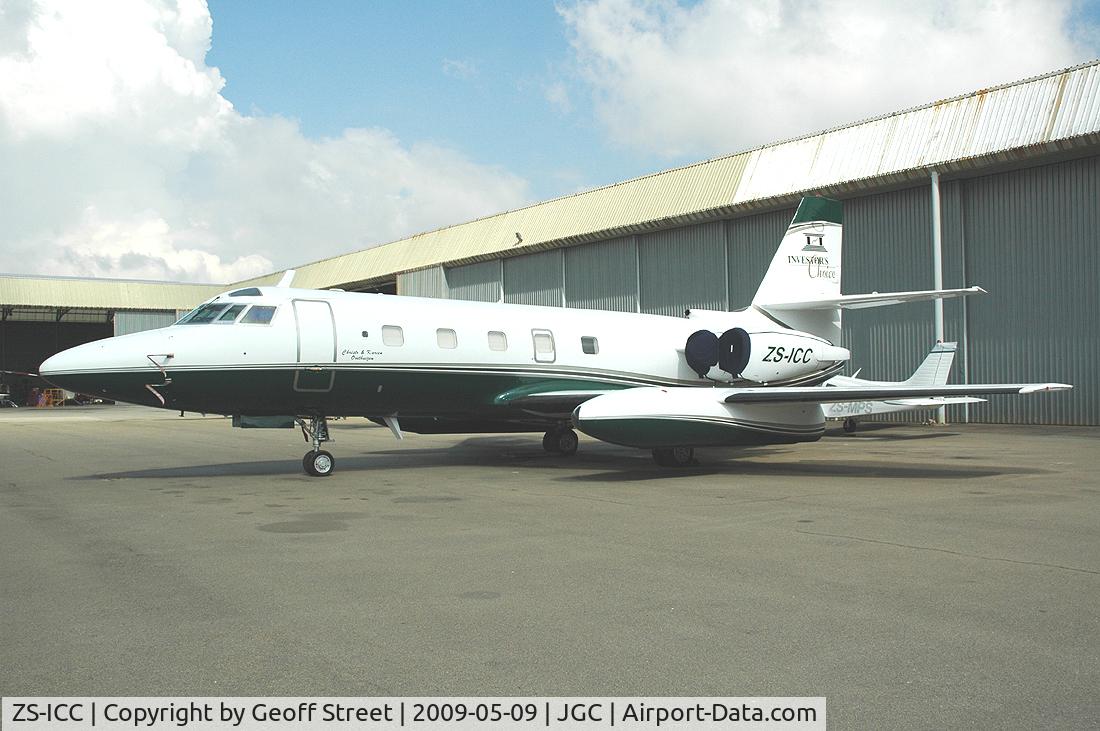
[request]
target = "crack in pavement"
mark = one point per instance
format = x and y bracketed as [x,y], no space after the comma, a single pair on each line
[953,553]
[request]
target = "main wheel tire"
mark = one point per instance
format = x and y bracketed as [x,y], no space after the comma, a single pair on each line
[567,442]
[550,442]
[850,425]
[674,456]
[319,463]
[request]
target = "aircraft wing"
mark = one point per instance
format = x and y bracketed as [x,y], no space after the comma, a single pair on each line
[826,395]
[875,299]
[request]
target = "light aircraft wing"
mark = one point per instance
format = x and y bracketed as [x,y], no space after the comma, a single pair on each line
[875,299]
[827,395]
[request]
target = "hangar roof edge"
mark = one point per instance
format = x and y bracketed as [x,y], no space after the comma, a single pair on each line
[1017,120]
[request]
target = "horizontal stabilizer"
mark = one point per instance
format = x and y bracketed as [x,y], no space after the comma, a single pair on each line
[829,395]
[875,299]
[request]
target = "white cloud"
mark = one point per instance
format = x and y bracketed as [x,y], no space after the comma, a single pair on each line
[459,69]
[721,75]
[120,157]
[557,93]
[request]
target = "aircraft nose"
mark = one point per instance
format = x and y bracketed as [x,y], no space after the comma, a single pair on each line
[56,363]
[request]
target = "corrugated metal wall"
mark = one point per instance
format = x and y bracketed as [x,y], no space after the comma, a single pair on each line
[1032,239]
[135,321]
[479,282]
[751,243]
[534,279]
[424,283]
[888,248]
[602,276]
[683,268]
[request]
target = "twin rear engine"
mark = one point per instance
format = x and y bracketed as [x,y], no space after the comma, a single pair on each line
[761,357]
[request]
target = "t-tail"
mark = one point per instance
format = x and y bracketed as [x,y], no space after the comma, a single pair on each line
[801,288]
[806,266]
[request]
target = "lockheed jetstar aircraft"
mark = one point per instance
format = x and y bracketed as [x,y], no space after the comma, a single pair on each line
[279,356]
[933,371]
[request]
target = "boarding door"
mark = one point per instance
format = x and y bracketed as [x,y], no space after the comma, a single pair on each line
[316,346]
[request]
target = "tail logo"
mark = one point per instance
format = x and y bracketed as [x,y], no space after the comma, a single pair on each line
[813,243]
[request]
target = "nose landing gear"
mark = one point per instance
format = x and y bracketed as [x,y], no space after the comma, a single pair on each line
[317,462]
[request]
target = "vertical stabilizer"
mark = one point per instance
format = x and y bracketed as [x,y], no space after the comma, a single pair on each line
[935,368]
[807,267]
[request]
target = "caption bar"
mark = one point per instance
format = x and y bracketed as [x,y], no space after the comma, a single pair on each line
[253,714]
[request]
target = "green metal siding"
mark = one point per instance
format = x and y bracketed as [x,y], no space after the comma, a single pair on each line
[888,248]
[479,282]
[751,243]
[683,268]
[602,276]
[139,321]
[423,283]
[1031,239]
[535,279]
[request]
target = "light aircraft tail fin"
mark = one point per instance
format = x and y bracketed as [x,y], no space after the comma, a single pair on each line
[935,367]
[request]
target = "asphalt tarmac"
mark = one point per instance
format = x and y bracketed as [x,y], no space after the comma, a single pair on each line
[916,576]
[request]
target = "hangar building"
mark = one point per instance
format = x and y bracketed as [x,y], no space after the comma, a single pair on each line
[999,188]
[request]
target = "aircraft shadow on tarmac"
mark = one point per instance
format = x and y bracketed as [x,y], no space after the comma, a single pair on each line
[615,464]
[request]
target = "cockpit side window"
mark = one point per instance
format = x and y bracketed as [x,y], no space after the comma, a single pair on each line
[258,315]
[231,314]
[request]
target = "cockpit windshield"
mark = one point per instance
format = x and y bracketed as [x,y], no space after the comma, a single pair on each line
[224,313]
[203,314]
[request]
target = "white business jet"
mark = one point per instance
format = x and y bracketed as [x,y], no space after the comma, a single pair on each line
[279,356]
[933,371]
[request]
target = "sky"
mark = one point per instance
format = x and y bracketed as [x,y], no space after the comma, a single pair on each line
[211,142]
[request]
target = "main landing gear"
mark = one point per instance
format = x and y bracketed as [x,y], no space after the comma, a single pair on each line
[317,462]
[850,424]
[674,456]
[561,441]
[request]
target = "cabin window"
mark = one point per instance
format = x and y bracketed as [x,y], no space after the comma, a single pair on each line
[446,338]
[203,314]
[393,335]
[231,314]
[544,346]
[590,345]
[258,315]
[498,340]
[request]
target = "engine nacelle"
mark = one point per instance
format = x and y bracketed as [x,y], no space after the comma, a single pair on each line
[762,357]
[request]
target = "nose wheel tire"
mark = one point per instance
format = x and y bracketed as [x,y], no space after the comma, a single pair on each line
[318,463]
[674,456]
[560,441]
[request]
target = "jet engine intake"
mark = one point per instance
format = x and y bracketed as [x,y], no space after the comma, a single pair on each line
[761,357]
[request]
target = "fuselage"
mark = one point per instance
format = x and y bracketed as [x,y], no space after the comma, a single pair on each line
[442,365]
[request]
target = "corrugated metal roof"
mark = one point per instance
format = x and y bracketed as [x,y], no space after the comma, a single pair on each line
[112,294]
[1029,118]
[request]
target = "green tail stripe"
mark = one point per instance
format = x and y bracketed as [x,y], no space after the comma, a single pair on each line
[819,209]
